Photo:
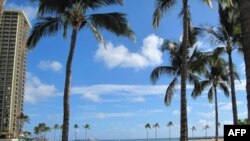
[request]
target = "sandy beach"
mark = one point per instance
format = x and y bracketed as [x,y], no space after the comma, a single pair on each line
[207,140]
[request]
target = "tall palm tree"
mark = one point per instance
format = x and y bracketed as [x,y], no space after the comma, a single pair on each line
[193,129]
[160,8]
[156,125]
[227,36]
[56,127]
[147,126]
[76,127]
[169,125]
[74,14]
[245,22]
[86,127]
[205,128]
[217,76]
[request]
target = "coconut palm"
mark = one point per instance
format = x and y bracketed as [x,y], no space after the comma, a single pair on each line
[193,129]
[161,7]
[244,6]
[86,127]
[147,126]
[205,128]
[156,125]
[76,127]
[217,76]
[74,14]
[169,125]
[227,36]
[22,118]
[56,127]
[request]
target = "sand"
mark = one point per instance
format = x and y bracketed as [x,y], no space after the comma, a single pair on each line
[207,140]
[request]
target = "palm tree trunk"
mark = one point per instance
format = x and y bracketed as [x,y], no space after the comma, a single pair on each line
[155,133]
[184,126]
[234,104]
[169,133]
[147,134]
[54,134]
[75,135]
[245,22]
[66,108]
[216,114]
[85,134]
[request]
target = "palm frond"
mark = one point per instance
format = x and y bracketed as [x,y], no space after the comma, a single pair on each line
[98,35]
[158,71]
[170,91]
[219,51]
[215,36]
[211,94]
[52,6]
[224,88]
[161,6]
[198,60]
[114,22]
[208,2]
[170,46]
[93,4]
[199,87]
[44,27]
[192,78]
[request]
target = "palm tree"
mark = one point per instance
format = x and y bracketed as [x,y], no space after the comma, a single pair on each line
[242,121]
[87,127]
[147,126]
[226,35]
[76,127]
[216,76]
[169,125]
[36,132]
[22,118]
[74,14]
[161,7]
[56,126]
[205,128]
[245,22]
[156,125]
[193,129]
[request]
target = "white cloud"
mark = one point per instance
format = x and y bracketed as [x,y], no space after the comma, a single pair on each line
[240,86]
[92,97]
[133,92]
[176,112]
[208,114]
[137,99]
[36,90]
[113,115]
[29,10]
[50,65]
[205,122]
[227,106]
[119,56]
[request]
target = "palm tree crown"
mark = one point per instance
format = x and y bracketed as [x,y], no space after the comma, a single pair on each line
[217,75]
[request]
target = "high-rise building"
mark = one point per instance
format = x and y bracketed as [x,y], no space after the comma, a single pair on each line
[13,36]
[2,2]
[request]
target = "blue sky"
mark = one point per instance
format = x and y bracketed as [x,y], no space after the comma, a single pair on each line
[111,89]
